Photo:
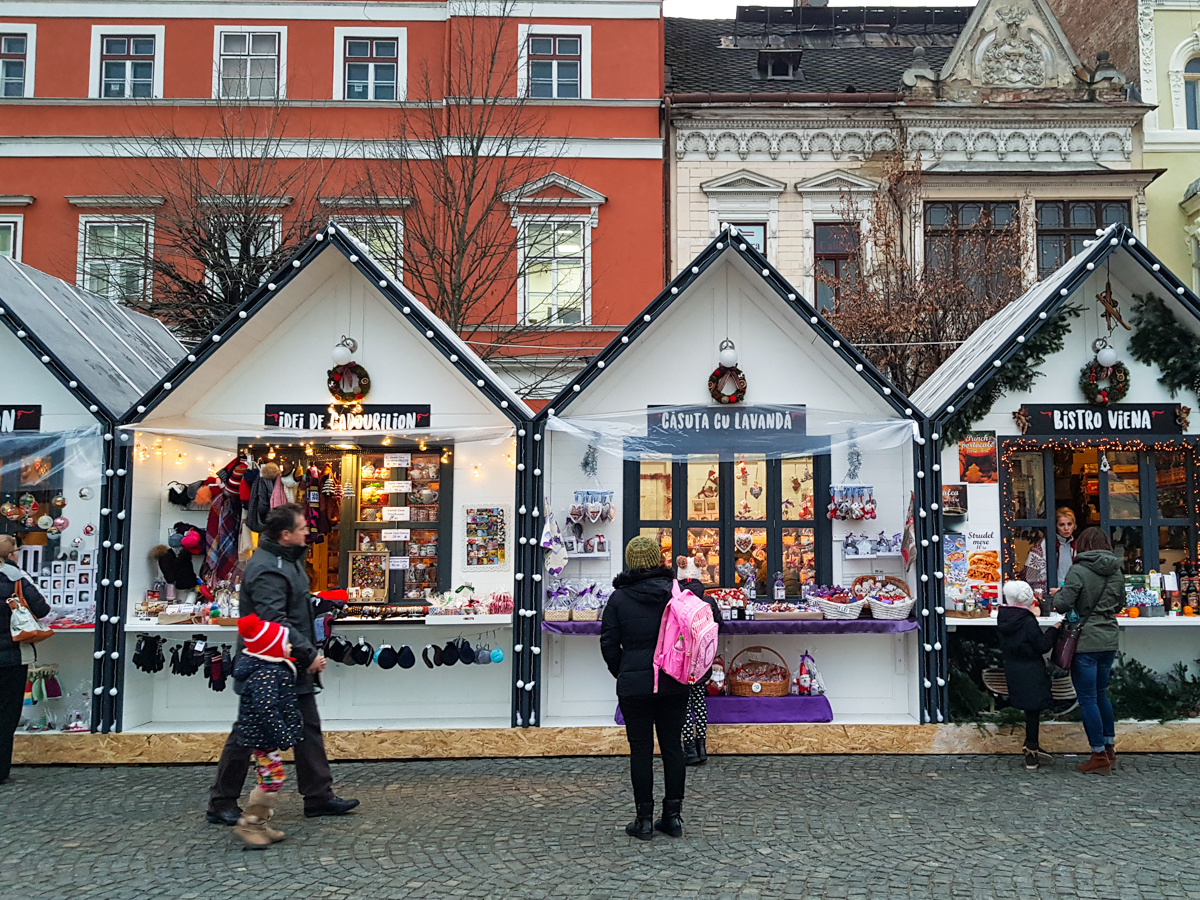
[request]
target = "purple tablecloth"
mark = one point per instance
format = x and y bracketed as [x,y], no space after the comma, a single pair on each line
[762,710]
[773,626]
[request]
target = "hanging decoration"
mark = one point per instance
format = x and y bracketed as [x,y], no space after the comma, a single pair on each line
[727,384]
[851,502]
[347,381]
[1161,340]
[590,463]
[1094,373]
[1015,376]
[1112,309]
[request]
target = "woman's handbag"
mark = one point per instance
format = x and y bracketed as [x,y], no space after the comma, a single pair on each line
[1065,644]
[23,624]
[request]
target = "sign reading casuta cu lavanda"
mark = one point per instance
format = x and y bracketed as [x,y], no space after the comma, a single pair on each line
[311,417]
[1121,418]
[725,419]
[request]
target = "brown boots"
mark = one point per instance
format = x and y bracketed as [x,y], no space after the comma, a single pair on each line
[1111,752]
[1098,764]
[252,827]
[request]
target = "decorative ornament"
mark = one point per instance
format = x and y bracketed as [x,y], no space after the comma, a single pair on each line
[1181,416]
[348,383]
[1021,417]
[795,485]
[743,472]
[89,529]
[62,523]
[10,511]
[756,490]
[1112,309]
[45,523]
[29,506]
[86,493]
[1091,376]
[59,502]
[727,384]
[589,464]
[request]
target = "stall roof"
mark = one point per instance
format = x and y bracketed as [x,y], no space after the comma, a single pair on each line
[997,338]
[114,354]
[807,316]
[440,335]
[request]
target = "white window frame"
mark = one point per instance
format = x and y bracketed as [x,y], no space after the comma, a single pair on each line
[523,222]
[350,223]
[276,223]
[280,85]
[119,29]
[30,32]
[85,221]
[17,221]
[583,32]
[399,35]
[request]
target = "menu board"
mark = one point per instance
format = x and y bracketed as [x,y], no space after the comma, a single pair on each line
[977,458]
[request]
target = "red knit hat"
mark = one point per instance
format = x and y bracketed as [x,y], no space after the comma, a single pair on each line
[267,639]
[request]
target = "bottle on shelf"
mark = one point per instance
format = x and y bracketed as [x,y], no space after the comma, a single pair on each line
[779,588]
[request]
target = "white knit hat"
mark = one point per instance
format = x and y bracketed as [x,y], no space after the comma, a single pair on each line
[1018,593]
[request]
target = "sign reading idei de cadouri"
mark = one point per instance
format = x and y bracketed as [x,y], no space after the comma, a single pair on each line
[370,418]
[1121,418]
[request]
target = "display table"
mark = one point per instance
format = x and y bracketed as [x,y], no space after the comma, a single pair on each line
[761,710]
[771,626]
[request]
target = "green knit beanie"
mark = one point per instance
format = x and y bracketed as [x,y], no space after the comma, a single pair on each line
[643,553]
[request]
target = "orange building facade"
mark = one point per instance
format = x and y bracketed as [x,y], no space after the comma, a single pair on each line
[81,82]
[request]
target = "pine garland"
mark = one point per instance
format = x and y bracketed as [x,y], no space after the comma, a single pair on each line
[1016,376]
[1161,340]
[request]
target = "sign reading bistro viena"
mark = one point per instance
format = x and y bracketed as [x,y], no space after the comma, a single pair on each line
[312,417]
[1082,419]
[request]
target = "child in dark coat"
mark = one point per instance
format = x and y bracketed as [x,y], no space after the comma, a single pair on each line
[1024,646]
[268,720]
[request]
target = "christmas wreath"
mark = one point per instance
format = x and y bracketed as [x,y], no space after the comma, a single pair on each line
[1118,383]
[348,383]
[727,384]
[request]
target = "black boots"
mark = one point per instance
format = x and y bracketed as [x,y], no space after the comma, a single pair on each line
[642,827]
[671,823]
[701,751]
[695,753]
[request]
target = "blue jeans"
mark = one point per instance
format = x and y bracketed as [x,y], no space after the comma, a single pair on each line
[1089,672]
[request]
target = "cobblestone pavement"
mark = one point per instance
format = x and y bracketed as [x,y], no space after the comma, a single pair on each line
[755,827]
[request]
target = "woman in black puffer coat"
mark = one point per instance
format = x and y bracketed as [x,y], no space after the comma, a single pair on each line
[628,637]
[1024,646]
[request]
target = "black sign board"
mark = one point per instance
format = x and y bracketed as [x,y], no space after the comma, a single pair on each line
[733,428]
[20,418]
[1101,421]
[310,417]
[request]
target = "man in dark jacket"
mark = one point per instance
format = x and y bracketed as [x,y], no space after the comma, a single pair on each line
[628,637]
[275,588]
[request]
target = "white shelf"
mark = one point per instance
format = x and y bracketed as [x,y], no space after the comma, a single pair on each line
[1122,621]
[505,619]
[132,626]
[605,555]
[896,555]
[482,619]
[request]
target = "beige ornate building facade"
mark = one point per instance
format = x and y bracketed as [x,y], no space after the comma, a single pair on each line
[781,119]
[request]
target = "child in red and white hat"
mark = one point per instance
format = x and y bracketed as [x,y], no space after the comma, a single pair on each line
[268,721]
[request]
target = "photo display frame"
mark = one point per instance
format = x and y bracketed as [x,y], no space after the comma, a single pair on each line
[486,539]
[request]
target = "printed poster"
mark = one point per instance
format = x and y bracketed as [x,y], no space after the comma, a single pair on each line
[954,559]
[977,458]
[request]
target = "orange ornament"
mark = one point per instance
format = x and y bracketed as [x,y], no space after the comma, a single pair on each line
[1189,611]
[1134,612]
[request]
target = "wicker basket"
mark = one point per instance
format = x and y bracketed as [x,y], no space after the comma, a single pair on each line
[858,586]
[739,687]
[585,615]
[840,610]
[897,610]
[556,615]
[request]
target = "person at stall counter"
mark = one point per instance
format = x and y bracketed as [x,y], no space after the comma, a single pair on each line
[1024,646]
[275,587]
[1093,593]
[13,668]
[1036,566]
[268,721]
[628,637]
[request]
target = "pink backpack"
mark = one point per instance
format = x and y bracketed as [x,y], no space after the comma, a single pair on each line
[687,638]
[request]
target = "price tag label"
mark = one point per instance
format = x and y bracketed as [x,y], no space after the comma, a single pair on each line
[396,513]
[398,562]
[397,487]
[395,534]
[397,460]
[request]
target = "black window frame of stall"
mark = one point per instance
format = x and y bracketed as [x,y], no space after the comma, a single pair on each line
[1149,522]
[349,525]
[727,524]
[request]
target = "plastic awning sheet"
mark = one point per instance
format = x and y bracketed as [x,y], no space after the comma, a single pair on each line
[772,431]
[227,438]
[37,460]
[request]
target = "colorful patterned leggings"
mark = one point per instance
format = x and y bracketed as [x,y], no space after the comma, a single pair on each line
[268,769]
[695,726]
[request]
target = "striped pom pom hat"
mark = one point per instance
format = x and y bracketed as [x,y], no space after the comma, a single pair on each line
[266,639]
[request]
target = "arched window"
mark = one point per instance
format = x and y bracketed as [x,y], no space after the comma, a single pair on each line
[1191,93]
